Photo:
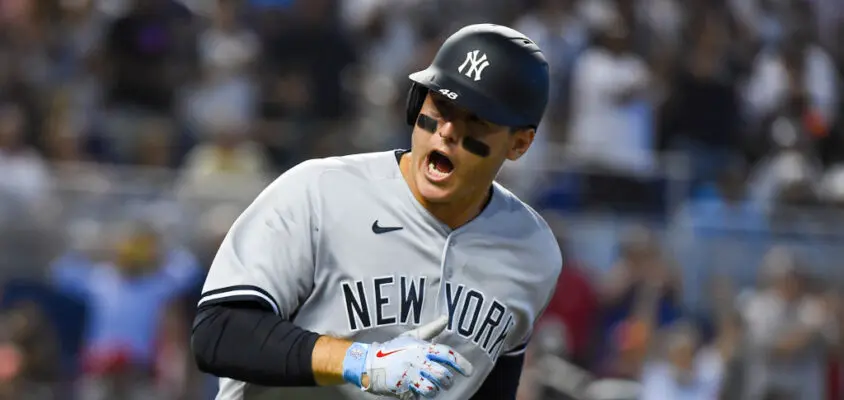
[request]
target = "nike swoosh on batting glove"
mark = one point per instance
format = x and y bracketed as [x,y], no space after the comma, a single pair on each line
[406,365]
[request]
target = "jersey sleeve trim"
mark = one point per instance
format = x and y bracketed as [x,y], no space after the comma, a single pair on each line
[518,350]
[239,293]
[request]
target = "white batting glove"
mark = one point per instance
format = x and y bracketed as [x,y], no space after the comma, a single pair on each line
[406,366]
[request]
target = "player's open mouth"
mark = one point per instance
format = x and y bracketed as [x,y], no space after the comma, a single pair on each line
[439,167]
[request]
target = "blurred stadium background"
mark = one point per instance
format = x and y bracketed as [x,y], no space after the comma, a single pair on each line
[691,162]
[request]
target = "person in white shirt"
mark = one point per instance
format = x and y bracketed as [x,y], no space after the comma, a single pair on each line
[26,178]
[607,83]
[787,333]
[800,71]
[685,373]
[611,124]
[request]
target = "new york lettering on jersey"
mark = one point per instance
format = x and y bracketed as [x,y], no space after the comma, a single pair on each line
[473,316]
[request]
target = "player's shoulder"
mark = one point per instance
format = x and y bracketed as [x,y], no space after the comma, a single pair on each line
[522,212]
[362,164]
[525,219]
[310,174]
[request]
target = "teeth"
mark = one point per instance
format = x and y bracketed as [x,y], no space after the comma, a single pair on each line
[432,169]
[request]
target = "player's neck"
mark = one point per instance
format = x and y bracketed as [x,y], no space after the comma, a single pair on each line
[454,213]
[458,213]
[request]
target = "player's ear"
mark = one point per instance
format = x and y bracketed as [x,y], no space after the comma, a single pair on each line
[520,141]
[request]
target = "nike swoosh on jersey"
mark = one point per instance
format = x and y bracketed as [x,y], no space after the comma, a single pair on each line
[381,353]
[384,229]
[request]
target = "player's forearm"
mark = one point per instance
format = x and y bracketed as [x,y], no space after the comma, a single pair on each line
[254,346]
[327,360]
[328,356]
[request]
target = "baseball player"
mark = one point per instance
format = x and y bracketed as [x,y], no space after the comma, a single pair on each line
[401,273]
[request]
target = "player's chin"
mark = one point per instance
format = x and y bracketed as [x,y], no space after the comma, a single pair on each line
[435,192]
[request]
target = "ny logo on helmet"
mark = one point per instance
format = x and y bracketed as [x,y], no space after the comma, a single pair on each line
[476,65]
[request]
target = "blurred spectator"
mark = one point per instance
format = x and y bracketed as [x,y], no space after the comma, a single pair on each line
[228,51]
[28,354]
[640,296]
[683,370]
[228,160]
[79,35]
[798,79]
[700,117]
[575,304]
[83,248]
[25,188]
[173,370]
[148,190]
[724,203]
[836,365]
[791,161]
[663,22]
[787,333]
[26,38]
[155,147]
[832,187]
[305,64]
[610,131]
[78,179]
[25,178]
[146,55]
[127,299]
[81,63]
[762,19]
[719,215]
[63,141]
[729,337]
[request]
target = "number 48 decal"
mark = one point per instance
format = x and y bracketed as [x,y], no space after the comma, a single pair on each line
[448,93]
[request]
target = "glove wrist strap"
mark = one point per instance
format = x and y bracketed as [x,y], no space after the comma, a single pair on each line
[354,363]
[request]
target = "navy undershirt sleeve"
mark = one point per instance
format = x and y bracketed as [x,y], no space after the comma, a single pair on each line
[246,342]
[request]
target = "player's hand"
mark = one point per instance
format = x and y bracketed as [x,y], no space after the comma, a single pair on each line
[406,366]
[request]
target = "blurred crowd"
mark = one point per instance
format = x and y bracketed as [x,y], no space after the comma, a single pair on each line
[691,162]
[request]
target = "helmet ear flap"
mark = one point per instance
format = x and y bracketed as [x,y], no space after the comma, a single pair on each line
[415,99]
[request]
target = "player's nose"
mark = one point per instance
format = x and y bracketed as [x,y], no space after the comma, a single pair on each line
[449,131]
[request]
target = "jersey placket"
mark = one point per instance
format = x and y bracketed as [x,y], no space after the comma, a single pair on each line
[446,269]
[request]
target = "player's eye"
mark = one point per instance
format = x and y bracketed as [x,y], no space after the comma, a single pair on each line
[479,123]
[479,127]
[440,102]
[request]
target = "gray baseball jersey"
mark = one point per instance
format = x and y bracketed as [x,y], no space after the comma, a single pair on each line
[341,247]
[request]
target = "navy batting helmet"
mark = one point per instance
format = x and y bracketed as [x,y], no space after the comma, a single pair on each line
[493,71]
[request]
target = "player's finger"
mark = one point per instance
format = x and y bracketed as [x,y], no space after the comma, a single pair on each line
[408,395]
[422,386]
[428,331]
[436,373]
[447,356]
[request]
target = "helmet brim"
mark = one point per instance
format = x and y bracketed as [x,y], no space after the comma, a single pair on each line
[470,99]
